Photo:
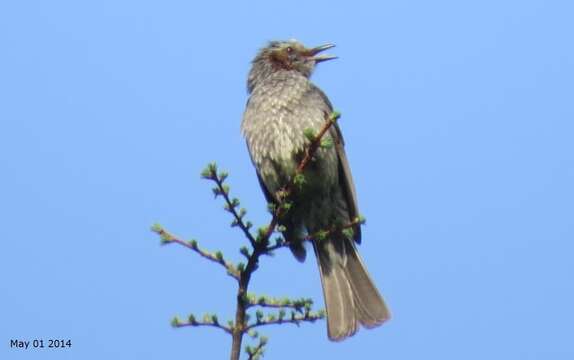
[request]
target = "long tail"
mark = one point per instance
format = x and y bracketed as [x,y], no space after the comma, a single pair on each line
[351,297]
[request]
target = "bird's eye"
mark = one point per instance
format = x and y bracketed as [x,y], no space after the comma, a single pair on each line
[289,49]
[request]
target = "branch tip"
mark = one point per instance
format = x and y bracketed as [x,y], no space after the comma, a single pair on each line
[335,115]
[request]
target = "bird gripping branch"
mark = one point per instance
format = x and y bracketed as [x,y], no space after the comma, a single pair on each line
[283,104]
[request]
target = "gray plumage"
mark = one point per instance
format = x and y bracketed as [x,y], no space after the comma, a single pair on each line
[282,104]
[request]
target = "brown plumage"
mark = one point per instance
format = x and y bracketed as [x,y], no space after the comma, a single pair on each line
[282,104]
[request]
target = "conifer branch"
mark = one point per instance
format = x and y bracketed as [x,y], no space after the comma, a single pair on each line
[288,311]
[217,257]
[298,305]
[280,318]
[208,321]
[231,205]
[255,353]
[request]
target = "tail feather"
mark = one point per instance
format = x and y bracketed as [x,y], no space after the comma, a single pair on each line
[351,298]
[337,292]
[371,308]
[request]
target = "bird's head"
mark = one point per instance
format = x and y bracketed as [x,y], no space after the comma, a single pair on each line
[288,55]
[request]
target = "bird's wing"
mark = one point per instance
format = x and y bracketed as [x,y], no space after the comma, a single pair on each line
[346,180]
[345,177]
[268,196]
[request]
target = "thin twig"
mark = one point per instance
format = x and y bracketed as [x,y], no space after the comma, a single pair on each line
[296,320]
[320,234]
[257,352]
[168,238]
[230,206]
[335,229]
[265,302]
[179,324]
[314,145]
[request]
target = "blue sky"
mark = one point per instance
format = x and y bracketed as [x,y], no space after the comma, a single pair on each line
[458,118]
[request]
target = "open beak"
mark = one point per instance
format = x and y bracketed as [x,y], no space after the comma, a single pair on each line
[319,58]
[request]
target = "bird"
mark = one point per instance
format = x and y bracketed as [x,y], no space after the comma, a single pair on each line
[282,104]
